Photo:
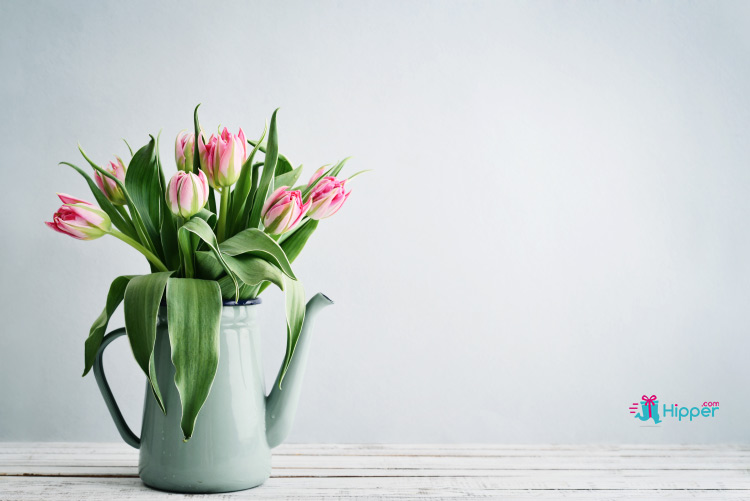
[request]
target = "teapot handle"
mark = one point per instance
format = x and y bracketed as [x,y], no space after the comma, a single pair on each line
[125,432]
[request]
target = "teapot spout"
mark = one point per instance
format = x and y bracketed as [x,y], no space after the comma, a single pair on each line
[281,403]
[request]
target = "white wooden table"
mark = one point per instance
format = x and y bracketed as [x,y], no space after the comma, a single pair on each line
[95,471]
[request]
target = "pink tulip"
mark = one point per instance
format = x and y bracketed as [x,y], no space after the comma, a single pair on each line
[222,157]
[187,193]
[283,210]
[183,150]
[108,186]
[327,197]
[79,219]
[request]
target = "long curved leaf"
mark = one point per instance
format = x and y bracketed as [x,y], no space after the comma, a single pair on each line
[228,290]
[242,189]
[244,213]
[294,295]
[269,168]
[196,154]
[295,242]
[199,227]
[143,183]
[253,270]
[208,216]
[257,243]
[96,334]
[207,267]
[194,315]
[167,223]
[284,164]
[293,245]
[143,295]
[288,178]
[250,271]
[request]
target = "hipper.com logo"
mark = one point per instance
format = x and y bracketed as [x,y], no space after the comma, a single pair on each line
[648,409]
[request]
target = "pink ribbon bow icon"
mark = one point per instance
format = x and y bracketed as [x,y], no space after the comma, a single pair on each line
[649,401]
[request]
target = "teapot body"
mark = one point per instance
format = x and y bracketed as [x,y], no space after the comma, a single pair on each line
[228,450]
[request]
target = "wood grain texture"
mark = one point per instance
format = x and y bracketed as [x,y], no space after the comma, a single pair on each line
[92,471]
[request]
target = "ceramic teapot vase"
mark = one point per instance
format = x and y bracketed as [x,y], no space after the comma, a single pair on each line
[238,425]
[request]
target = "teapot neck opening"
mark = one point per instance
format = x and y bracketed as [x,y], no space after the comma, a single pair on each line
[241,302]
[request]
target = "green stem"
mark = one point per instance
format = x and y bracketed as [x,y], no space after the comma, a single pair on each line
[149,255]
[127,218]
[122,211]
[223,214]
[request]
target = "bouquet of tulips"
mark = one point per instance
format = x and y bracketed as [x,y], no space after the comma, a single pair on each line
[202,252]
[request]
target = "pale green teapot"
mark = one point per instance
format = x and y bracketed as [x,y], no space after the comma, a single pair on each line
[238,425]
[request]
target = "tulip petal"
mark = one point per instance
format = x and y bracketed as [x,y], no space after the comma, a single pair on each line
[67,199]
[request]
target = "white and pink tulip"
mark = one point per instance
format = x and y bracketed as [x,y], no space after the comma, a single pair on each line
[283,210]
[187,193]
[184,150]
[79,219]
[108,186]
[327,197]
[221,158]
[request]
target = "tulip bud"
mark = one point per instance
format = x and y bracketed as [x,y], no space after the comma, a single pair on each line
[187,193]
[327,198]
[316,175]
[108,186]
[184,150]
[221,158]
[283,210]
[79,219]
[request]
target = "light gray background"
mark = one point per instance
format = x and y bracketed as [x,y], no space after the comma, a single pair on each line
[557,222]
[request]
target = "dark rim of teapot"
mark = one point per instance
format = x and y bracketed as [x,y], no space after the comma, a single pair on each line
[241,302]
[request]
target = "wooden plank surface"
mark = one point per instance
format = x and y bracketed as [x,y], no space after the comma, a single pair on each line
[93,471]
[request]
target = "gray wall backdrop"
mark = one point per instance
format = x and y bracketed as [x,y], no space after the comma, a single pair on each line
[557,222]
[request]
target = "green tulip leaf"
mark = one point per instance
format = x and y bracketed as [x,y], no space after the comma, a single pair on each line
[143,182]
[243,190]
[358,174]
[208,216]
[269,168]
[199,227]
[294,295]
[253,270]
[228,290]
[288,178]
[128,145]
[196,150]
[284,164]
[295,242]
[194,316]
[96,334]
[257,243]
[167,223]
[143,296]
[207,267]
